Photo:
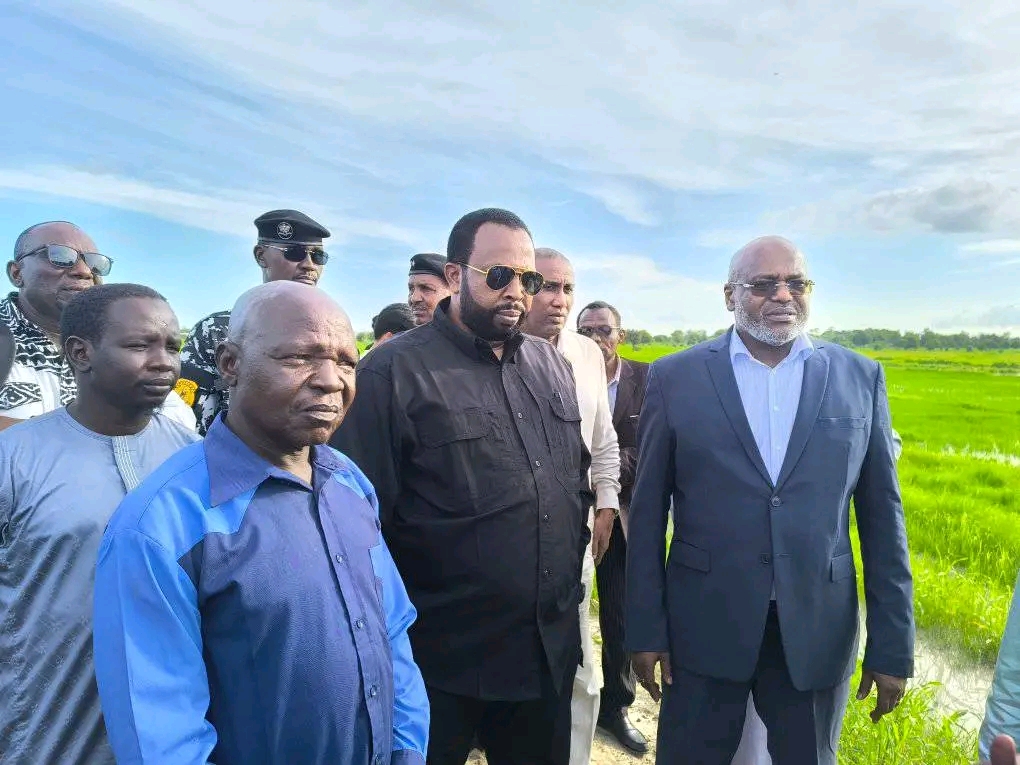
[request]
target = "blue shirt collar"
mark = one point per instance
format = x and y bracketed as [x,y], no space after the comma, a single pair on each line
[235,469]
[802,347]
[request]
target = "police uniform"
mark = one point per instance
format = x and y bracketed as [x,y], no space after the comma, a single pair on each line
[200,385]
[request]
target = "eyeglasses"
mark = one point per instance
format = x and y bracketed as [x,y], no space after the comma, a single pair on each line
[62,256]
[498,277]
[604,329]
[769,287]
[296,253]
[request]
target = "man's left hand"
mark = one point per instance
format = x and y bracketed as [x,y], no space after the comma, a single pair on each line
[602,529]
[890,692]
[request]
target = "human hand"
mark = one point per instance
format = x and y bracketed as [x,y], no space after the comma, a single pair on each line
[890,692]
[602,530]
[644,668]
[1003,752]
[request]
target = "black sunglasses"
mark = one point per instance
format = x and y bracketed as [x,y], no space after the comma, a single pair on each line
[498,277]
[604,329]
[62,256]
[296,253]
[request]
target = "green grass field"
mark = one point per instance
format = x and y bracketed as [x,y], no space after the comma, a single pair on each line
[959,415]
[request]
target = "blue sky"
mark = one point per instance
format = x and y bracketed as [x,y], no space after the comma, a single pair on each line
[647,142]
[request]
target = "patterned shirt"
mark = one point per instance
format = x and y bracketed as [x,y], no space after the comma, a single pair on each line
[244,616]
[200,385]
[40,379]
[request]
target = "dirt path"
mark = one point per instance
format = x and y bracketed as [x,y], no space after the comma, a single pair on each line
[963,689]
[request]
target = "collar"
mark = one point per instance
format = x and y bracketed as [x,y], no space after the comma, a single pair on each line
[619,371]
[234,469]
[12,315]
[472,345]
[802,347]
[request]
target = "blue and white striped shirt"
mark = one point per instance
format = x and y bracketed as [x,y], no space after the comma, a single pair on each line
[771,397]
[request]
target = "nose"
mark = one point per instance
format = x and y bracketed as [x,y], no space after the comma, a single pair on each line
[161,359]
[81,270]
[328,377]
[782,294]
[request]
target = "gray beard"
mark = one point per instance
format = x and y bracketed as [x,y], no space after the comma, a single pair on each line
[763,333]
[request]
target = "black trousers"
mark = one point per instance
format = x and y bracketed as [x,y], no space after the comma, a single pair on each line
[533,732]
[701,718]
[611,577]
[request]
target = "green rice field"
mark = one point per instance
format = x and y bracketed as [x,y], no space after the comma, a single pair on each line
[958,413]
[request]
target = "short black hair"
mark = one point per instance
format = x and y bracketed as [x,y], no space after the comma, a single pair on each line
[396,317]
[462,237]
[85,315]
[599,305]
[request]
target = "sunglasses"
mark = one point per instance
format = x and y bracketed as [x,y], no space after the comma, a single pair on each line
[769,287]
[296,253]
[605,330]
[498,277]
[62,256]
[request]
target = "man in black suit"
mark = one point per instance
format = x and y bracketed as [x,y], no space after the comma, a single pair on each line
[601,322]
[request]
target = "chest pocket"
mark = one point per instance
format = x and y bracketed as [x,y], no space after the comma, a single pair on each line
[469,425]
[563,427]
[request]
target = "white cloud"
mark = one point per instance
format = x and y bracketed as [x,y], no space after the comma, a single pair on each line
[623,201]
[224,211]
[992,247]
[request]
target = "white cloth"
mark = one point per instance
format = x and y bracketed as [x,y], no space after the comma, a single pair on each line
[599,436]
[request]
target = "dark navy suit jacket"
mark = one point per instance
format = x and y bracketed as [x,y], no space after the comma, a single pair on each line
[735,533]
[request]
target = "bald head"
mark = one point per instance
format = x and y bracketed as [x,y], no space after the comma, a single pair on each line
[263,305]
[746,261]
[548,253]
[52,232]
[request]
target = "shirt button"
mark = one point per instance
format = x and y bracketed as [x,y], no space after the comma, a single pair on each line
[520,415]
[359,624]
[373,691]
[546,517]
[538,463]
[339,559]
[765,559]
[547,572]
[775,502]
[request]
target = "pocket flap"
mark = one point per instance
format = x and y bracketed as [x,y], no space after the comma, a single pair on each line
[454,426]
[566,409]
[842,422]
[691,556]
[842,567]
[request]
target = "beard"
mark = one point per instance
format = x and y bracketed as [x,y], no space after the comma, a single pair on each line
[757,328]
[482,320]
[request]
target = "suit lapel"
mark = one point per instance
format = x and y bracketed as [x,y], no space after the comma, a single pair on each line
[624,394]
[721,370]
[816,375]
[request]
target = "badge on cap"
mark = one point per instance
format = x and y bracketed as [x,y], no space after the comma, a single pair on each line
[284,230]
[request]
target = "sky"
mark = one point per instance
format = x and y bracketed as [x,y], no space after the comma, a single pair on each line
[647,142]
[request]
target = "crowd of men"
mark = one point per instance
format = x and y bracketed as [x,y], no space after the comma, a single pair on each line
[267,548]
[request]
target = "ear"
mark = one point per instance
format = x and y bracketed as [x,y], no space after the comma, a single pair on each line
[728,296]
[79,354]
[259,257]
[228,358]
[14,274]
[453,273]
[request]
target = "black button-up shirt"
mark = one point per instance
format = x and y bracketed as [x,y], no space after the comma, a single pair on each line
[481,475]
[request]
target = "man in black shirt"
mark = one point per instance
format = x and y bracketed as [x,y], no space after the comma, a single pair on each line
[471,434]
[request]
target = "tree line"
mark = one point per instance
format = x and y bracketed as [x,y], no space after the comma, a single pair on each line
[854,338]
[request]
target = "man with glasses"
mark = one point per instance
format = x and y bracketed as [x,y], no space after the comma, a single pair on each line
[626,387]
[470,432]
[53,262]
[289,248]
[761,438]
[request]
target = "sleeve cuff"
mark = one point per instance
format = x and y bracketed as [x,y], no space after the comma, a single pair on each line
[606,497]
[407,757]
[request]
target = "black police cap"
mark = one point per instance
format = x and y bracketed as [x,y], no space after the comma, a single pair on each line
[290,227]
[428,263]
[396,317]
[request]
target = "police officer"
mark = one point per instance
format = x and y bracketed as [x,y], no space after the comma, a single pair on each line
[426,285]
[289,248]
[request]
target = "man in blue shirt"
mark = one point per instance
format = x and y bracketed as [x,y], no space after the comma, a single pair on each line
[247,608]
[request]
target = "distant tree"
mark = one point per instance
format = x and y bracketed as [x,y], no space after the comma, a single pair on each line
[638,337]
